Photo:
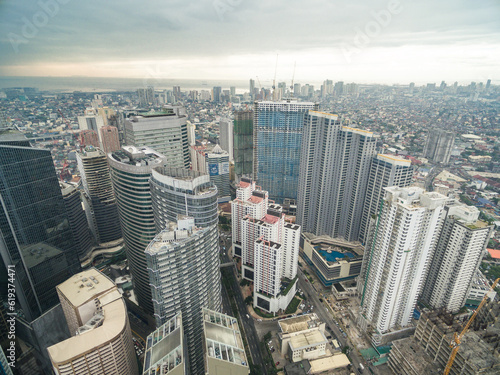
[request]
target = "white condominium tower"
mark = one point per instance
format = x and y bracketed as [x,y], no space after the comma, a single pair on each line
[183,266]
[334,169]
[253,202]
[267,245]
[457,258]
[165,132]
[397,257]
[385,171]
[226,136]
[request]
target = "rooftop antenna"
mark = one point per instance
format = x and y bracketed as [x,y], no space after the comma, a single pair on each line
[293,77]
[274,80]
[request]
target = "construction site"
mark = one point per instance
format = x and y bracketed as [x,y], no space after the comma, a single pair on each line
[428,351]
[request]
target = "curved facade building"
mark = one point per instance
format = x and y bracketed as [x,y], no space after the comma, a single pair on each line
[130,171]
[177,191]
[99,196]
[183,266]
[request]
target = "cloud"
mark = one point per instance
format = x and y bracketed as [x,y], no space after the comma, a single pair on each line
[95,36]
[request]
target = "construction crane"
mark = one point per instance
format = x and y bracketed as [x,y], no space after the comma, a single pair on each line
[457,339]
[274,80]
[293,77]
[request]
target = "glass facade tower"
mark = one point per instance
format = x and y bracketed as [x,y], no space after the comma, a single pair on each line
[277,137]
[35,236]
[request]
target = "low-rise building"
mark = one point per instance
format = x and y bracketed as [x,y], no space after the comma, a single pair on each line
[303,337]
[333,259]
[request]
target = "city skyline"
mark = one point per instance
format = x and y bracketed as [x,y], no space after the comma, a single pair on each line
[375,42]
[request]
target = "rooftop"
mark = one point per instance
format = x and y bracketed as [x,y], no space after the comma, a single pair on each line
[223,338]
[164,347]
[105,324]
[85,286]
[299,323]
[307,339]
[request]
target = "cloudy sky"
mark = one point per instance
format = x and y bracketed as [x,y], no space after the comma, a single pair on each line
[377,41]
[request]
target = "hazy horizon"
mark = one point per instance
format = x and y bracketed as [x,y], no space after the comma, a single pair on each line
[376,41]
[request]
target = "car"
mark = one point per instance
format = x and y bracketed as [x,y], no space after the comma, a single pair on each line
[277,363]
[248,316]
[259,320]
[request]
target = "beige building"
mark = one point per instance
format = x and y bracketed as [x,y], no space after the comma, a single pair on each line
[165,349]
[303,337]
[97,319]
[224,350]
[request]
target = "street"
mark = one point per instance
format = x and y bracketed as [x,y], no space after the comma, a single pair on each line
[322,312]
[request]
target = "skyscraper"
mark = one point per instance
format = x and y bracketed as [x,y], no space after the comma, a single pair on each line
[385,171]
[36,237]
[89,138]
[397,258]
[165,132]
[99,195]
[96,315]
[334,166]
[243,143]
[226,136]
[77,219]
[146,96]
[217,161]
[177,191]
[439,145]
[183,264]
[109,139]
[277,139]
[459,252]
[216,94]
[252,88]
[130,172]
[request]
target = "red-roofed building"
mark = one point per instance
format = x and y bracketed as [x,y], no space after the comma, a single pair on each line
[495,254]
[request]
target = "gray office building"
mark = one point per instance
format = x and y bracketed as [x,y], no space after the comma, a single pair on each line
[183,266]
[164,131]
[439,145]
[385,171]
[130,172]
[334,166]
[99,198]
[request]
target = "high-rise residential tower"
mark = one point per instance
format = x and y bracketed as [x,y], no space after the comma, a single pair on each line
[99,196]
[397,258]
[130,172]
[109,139]
[183,264]
[177,191]
[89,138]
[459,252]
[277,137]
[35,236]
[268,246]
[97,319]
[385,171]
[165,132]
[226,136]
[243,144]
[439,145]
[334,169]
